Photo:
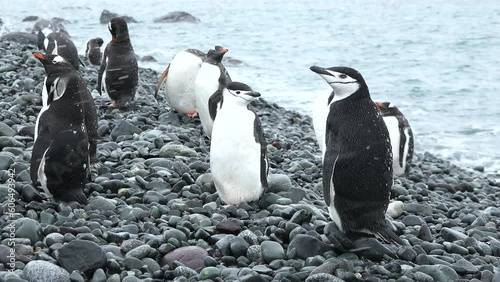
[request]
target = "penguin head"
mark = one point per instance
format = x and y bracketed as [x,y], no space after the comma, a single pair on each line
[240,93]
[344,81]
[52,62]
[98,41]
[216,55]
[118,29]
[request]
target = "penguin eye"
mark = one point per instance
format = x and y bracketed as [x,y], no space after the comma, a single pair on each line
[238,92]
[342,76]
[54,61]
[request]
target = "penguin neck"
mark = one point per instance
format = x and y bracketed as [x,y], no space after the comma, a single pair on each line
[229,99]
[213,61]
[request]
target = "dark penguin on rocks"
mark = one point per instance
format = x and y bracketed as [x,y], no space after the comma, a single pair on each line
[238,157]
[93,50]
[58,43]
[357,167]
[61,158]
[401,137]
[211,79]
[119,72]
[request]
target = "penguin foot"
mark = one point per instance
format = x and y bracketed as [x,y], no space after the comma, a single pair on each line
[339,239]
[111,106]
[73,195]
[192,114]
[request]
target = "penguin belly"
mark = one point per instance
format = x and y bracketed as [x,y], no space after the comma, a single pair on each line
[180,87]
[207,82]
[320,114]
[235,157]
[392,124]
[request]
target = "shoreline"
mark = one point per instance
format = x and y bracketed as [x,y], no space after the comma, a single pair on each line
[152,205]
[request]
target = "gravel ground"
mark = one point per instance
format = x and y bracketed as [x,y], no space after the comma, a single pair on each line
[153,214]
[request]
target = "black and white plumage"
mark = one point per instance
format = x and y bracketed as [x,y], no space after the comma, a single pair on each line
[211,79]
[65,132]
[357,167]
[59,43]
[238,158]
[179,77]
[119,72]
[401,137]
[93,50]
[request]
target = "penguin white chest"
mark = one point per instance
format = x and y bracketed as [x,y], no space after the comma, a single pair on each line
[392,124]
[180,84]
[235,156]
[320,112]
[207,82]
[45,98]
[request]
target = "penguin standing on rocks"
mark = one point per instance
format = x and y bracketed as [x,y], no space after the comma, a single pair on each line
[210,81]
[238,158]
[119,72]
[180,78]
[357,167]
[93,50]
[61,154]
[401,137]
[58,43]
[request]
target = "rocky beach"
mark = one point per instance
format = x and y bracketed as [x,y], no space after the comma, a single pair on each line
[154,214]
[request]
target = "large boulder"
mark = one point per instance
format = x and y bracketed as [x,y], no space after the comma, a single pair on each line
[177,16]
[106,16]
[20,37]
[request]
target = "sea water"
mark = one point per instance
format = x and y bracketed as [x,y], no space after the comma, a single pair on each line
[438,62]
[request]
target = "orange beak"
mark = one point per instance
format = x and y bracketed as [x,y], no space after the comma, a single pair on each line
[224,51]
[113,37]
[38,55]
[379,104]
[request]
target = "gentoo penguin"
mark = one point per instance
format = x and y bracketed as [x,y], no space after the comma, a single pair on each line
[401,137]
[119,72]
[180,78]
[238,158]
[357,168]
[61,158]
[58,43]
[93,50]
[210,81]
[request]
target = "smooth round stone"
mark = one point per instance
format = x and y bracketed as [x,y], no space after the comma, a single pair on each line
[209,273]
[279,183]
[411,220]
[271,251]
[139,252]
[101,203]
[190,256]
[90,258]
[43,271]
[395,209]
[99,276]
[28,228]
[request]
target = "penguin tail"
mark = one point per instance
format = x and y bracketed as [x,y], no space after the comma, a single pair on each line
[389,236]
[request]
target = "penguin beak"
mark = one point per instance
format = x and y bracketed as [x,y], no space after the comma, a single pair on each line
[39,56]
[253,94]
[223,51]
[113,37]
[319,70]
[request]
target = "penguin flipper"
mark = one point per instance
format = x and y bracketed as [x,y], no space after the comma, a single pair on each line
[332,153]
[160,81]
[101,70]
[41,144]
[213,103]
[264,163]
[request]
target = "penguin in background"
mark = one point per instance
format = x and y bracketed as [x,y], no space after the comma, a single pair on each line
[119,72]
[357,167]
[93,50]
[210,81]
[238,157]
[179,77]
[61,154]
[58,43]
[401,137]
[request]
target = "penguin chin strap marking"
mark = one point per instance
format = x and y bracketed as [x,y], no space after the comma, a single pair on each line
[241,97]
[339,82]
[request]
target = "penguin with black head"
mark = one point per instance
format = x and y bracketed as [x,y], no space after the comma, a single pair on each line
[357,166]
[59,43]
[61,156]
[119,72]
[93,50]
[211,79]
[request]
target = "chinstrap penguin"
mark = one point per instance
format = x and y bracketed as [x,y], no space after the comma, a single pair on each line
[93,50]
[401,137]
[119,72]
[238,158]
[58,43]
[179,77]
[60,159]
[357,167]
[211,79]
